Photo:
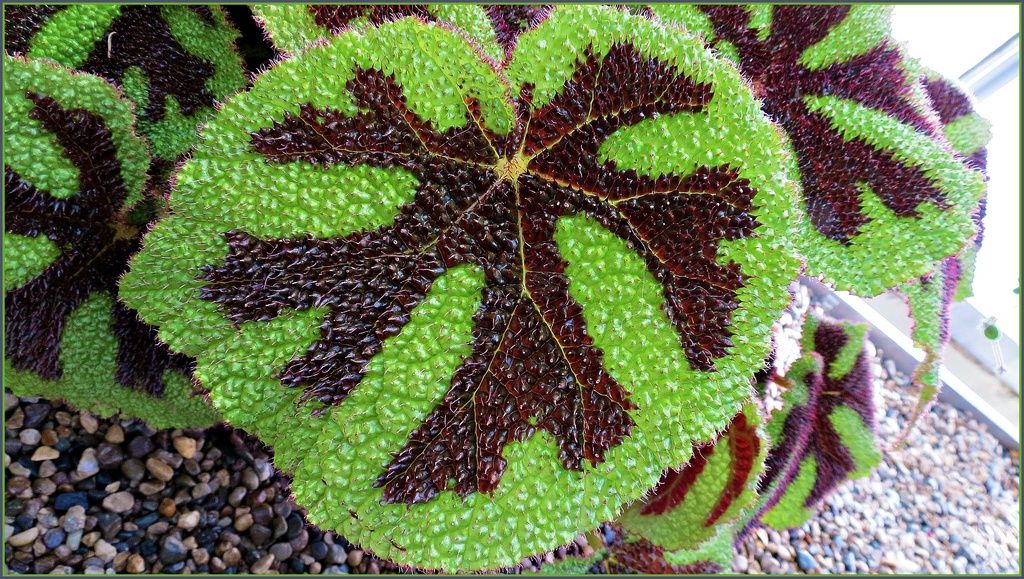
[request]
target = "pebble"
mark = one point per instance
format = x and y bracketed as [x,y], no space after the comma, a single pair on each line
[150,488]
[24,538]
[120,502]
[65,501]
[805,560]
[160,470]
[105,551]
[262,565]
[88,422]
[243,522]
[172,550]
[54,538]
[185,446]
[355,557]
[281,551]
[88,465]
[30,437]
[115,434]
[136,564]
[140,446]
[189,521]
[134,469]
[45,453]
[109,456]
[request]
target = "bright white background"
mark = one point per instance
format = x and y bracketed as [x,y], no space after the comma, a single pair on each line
[951,40]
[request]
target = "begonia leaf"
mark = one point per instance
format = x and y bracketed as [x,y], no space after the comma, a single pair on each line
[294,27]
[477,313]
[884,193]
[174,62]
[824,435]
[718,484]
[931,296]
[73,172]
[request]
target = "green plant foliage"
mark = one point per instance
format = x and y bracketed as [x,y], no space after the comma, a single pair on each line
[931,296]
[74,172]
[824,435]
[566,282]
[174,62]
[632,553]
[293,27]
[692,503]
[884,193]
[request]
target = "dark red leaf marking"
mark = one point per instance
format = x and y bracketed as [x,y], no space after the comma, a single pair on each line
[337,18]
[676,483]
[512,20]
[638,555]
[142,38]
[142,359]
[744,446]
[533,364]
[95,247]
[808,430]
[830,165]
[23,22]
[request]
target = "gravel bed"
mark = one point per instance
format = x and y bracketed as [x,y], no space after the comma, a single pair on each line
[105,496]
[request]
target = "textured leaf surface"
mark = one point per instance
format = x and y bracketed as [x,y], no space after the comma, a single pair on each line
[630,553]
[173,62]
[878,177]
[73,169]
[826,436]
[549,301]
[720,481]
[931,297]
[294,27]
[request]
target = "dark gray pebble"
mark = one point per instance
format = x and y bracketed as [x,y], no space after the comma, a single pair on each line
[318,550]
[109,456]
[35,414]
[44,564]
[65,501]
[336,554]
[260,534]
[140,446]
[172,550]
[281,551]
[148,520]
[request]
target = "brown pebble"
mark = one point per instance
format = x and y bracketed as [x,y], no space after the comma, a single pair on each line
[24,538]
[243,522]
[355,558]
[17,420]
[150,487]
[120,502]
[104,551]
[200,556]
[168,507]
[47,469]
[89,539]
[136,564]
[262,565]
[50,437]
[232,557]
[159,469]
[45,453]
[115,434]
[185,446]
[373,569]
[88,422]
